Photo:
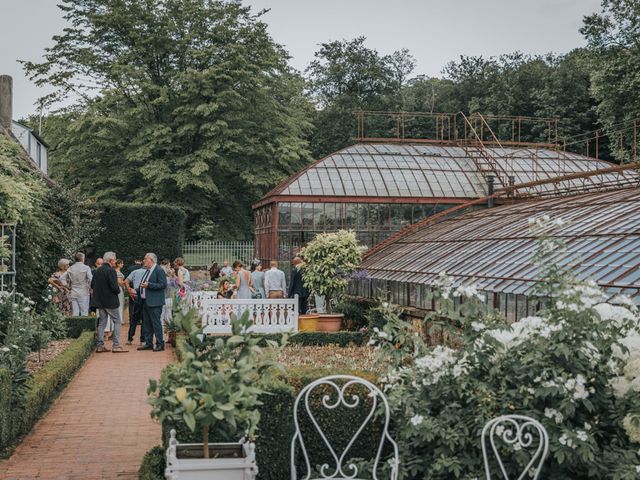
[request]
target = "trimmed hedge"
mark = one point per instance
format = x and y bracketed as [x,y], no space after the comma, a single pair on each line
[5,408]
[77,325]
[163,227]
[44,386]
[153,464]
[317,339]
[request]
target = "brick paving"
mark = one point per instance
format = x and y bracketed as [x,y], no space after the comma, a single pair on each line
[99,427]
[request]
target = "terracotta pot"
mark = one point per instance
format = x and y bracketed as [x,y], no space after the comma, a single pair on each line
[308,322]
[330,322]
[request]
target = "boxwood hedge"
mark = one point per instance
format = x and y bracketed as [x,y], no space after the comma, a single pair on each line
[44,386]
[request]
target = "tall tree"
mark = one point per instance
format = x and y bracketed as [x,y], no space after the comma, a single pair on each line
[188,102]
[613,36]
[347,76]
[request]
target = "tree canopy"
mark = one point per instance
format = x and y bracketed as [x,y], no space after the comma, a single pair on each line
[186,102]
[192,103]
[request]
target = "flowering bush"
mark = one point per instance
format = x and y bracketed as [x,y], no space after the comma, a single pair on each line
[575,367]
[330,259]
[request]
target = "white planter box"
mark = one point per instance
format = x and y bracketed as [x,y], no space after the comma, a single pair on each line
[243,468]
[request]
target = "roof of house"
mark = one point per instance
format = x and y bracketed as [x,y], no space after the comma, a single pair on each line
[493,248]
[424,171]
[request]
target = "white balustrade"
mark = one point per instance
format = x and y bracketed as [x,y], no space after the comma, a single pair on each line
[267,315]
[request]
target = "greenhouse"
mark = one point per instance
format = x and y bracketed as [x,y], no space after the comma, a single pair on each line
[493,249]
[378,188]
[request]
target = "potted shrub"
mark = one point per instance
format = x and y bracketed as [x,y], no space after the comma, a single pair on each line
[329,261]
[214,391]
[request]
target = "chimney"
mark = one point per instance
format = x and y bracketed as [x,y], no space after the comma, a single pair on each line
[6,94]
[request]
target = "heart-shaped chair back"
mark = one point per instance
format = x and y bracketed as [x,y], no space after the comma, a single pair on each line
[340,392]
[515,432]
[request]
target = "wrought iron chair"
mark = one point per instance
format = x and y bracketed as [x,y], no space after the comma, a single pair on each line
[518,432]
[339,385]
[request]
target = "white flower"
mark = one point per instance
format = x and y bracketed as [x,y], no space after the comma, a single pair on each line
[582,435]
[5,349]
[469,291]
[26,309]
[555,414]
[478,326]
[416,420]
[613,313]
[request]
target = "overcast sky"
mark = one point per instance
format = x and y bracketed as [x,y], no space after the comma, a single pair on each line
[435,31]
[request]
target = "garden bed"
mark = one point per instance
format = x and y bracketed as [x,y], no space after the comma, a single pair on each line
[37,360]
[331,357]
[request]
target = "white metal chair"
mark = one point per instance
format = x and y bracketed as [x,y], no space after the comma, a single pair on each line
[339,396]
[518,432]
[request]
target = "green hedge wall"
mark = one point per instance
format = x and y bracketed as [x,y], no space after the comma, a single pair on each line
[276,426]
[163,229]
[44,386]
[77,325]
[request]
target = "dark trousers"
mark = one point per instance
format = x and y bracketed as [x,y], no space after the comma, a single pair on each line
[152,325]
[303,305]
[135,319]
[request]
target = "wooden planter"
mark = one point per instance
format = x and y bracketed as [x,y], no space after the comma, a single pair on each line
[330,322]
[308,322]
[229,461]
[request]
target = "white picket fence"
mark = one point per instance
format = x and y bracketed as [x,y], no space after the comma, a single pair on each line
[268,315]
[200,254]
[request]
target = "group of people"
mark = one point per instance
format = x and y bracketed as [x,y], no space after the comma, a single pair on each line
[81,290]
[258,283]
[152,288]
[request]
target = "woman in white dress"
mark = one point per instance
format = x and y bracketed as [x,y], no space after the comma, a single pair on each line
[183,276]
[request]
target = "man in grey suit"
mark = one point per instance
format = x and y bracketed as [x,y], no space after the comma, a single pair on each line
[151,295]
[79,277]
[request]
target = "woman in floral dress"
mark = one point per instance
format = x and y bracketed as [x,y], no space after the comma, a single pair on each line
[59,281]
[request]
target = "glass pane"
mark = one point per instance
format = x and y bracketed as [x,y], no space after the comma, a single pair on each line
[384,216]
[318,215]
[363,215]
[330,215]
[284,214]
[396,215]
[407,214]
[350,213]
[296,214]
[307,214]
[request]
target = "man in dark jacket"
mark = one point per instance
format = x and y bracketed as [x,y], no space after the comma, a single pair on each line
[104,285]
[296,286]
[151,298]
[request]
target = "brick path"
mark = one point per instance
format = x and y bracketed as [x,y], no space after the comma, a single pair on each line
[99,428]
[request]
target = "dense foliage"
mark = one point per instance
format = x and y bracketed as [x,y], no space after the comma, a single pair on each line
[329,261]
[206,115]
[52,222]
[133,229]
[190,102]
[215,388]
[573,367]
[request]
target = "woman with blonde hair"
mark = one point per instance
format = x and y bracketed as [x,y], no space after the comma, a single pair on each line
[58,280]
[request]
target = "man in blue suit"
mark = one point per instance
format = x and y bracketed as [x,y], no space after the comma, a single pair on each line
[151,297]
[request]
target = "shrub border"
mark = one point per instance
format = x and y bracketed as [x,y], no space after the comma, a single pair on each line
[44,387]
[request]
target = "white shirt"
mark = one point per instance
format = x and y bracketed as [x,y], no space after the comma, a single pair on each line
[143,291]
[274,281]
[226,271]
[78,277]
